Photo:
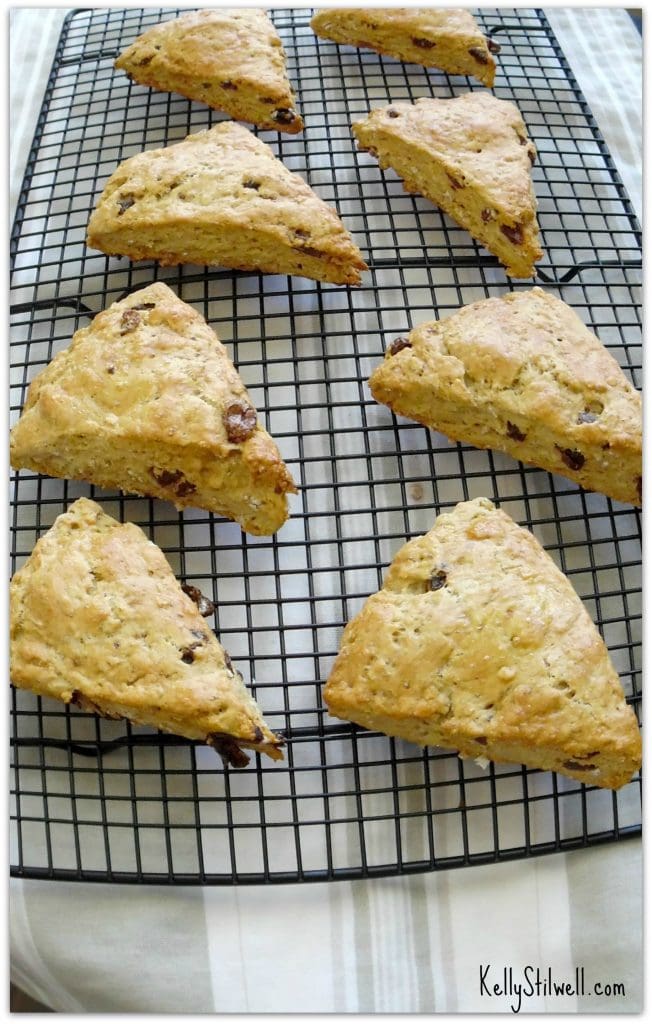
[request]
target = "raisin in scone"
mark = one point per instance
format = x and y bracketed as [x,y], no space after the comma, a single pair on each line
[449,39]
[522,373]
[472,157]
[221,197]
[232,60]
[478,642]
[97,619]
[146,399]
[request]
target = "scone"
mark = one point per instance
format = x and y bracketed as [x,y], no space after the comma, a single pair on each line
[232,60]
[522,373]
[97,619]
[472,157]
[435,37]
[146,399]
[221,197]
[478,642]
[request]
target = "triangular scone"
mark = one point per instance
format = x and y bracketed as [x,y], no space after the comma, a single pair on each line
[146,399]
[478,642]
[232,60]
[97,619]
[222,197]
[522,373]
[435,37]
[472,157]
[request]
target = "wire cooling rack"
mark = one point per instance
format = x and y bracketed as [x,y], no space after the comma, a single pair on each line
[100,800]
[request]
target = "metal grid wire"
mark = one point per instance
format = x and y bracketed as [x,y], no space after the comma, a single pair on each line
[100,800]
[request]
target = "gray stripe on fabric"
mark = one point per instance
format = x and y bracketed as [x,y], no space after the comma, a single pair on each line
[593,47]
[599,912]
[339,971]
[421,944]
[28,75]
[363,942]
[26,965]
[126,933]
[446,942]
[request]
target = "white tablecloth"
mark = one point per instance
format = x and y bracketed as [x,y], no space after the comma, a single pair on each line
[412,944]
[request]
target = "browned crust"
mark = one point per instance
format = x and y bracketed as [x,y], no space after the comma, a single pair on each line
[128,642]
[477,642]
[449,39]
[147,400]
[522,374]
[472,157]
[221,197]
[232,60]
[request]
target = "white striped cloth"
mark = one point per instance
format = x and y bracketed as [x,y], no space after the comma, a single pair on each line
[416,944]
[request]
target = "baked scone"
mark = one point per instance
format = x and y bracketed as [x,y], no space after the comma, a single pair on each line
[523,374]
[97,619]
[222,197]
[448,39]
[478,642]
[472,157]
[232,60]
[146,399]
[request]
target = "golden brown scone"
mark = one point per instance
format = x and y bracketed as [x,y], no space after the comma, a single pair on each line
[448,39]
[232,60]
[222,197]
[522,373]
[478,642]
[146,399]
[97,619]
[472,157]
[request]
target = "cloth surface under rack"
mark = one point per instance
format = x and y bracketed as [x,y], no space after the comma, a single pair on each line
[409,944]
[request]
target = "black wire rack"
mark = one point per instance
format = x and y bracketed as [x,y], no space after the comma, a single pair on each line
[100,800]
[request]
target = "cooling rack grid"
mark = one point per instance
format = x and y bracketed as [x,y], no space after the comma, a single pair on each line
[100,800]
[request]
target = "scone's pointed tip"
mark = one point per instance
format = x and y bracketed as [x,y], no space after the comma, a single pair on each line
[355,276]
[275,749]
[232,750]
